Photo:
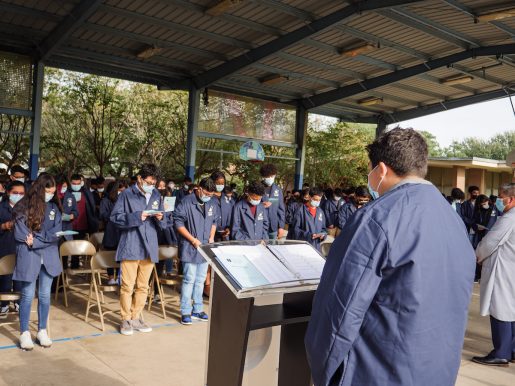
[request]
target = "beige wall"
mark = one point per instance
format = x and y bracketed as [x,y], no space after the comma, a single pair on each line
[447,178]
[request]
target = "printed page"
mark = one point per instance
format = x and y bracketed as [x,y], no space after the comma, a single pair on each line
[261,259]
[302,259]
[169,204]
[240,268]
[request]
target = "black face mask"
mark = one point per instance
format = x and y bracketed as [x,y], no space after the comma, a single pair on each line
[474,196]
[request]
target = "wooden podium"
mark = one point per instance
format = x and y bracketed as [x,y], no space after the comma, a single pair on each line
[232,318]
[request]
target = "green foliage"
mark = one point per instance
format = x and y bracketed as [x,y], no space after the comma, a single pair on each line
[433,146]
[498,147]
[337,156]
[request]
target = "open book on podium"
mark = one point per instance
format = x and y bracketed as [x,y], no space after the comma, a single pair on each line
[251,268]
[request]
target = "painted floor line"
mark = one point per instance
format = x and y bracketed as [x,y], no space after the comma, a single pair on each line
[95,335]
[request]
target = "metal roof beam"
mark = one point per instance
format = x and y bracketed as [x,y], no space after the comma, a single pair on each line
[479,73]
[25,11]
[282,42]
[373,83]
[469,11]
[448,105]
[65,29]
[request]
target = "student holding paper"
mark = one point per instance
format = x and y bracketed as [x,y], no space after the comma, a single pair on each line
[138,213]
[37,221]
[249,216]
[195,220]
[485,216]
[309,220]
[224,205]
[15,192]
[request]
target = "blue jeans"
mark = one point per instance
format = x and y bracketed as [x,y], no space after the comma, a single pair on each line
[194,276]
[27,295]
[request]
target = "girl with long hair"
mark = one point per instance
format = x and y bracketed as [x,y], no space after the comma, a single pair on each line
[37,221]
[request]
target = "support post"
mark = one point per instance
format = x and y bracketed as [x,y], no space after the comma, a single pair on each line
[301,131]
[191,142]
[35,135]
[381,127]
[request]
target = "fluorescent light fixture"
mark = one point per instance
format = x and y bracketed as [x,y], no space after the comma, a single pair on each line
[496,15]
[358,50]
[222,7]
[456,80]
[273,79]
[369,101]
[149,52]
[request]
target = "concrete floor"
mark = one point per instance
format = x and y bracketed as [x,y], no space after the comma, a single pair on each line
[171,355]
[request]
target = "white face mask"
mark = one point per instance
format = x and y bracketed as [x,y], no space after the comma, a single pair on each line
[486,205]
[254,202]
[219,188]
[64,188]
[76,188]
[48,196]
[22,180]
[269,180]
[100,190]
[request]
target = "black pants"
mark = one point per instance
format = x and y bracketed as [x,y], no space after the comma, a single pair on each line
[503,338]
[75,259]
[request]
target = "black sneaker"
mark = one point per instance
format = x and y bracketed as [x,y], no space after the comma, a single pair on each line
[202,316]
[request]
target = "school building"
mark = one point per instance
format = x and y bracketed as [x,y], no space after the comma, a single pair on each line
[488,174]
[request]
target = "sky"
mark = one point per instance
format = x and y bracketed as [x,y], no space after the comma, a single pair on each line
[482,120]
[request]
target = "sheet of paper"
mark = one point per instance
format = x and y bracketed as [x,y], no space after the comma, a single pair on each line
[169,204]
[302,259]
[240,269]
[261,260]
[66,233]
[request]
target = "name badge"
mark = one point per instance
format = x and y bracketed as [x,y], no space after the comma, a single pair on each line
[210,211]
[320,217]
[260,217]
[51,215]
[70,202]
[276,193]
[155,205]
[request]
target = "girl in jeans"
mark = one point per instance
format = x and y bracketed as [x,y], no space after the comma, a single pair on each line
[37,220]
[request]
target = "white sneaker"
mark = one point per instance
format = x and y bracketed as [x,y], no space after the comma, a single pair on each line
[4,310]
[43,339]
[26,342]
[112,282]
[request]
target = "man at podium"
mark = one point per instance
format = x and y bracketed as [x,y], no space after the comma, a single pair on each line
[391,307]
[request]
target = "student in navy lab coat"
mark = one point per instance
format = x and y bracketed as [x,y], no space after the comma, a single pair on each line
[360,198]
[14,193]
[309,220]
[273,201]
[111,237]
[37,221]
[485,216]
[70,211]
[291,206]
[331,208]
[392,303]
[138,213]
[224,206]
[249,217]
[195,221]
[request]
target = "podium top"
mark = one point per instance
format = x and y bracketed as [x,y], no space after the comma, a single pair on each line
[255,268]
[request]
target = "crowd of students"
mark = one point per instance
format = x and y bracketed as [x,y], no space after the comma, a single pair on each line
[131,214]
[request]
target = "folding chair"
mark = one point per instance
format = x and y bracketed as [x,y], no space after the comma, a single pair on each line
[325,246]
[7,264]
[165,252]
[71,248]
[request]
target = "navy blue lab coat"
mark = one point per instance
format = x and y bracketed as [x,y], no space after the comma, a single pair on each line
[276,212]
[304,226]
[138,239]
[111,231]
[392,303]
[198,221]
[224,206]
[245,226]
[467,214]
[69,207]
[291,207]
[486,218]
[180,194]
[345,213]
[331,209]
[44,249]
[7,245]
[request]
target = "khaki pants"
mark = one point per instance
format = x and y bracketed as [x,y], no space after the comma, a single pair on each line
[134,288]
[332,231]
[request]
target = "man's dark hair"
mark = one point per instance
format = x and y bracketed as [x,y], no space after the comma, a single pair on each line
[148,170]
[18,169]
[100,180]
[13,184]
[187,180]
[472,188]
[217,175]
[256,187]
[268,170]
[228,189]
[457,194]
[362,191]
[315,191]
[403,150]
[134,178]
[207,184]
[338,192]
[75,177]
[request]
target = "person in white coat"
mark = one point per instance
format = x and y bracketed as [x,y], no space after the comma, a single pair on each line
[496,253]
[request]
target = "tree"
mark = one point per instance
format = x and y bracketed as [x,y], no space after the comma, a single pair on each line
[498,147]
[433,147]
[14,139]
